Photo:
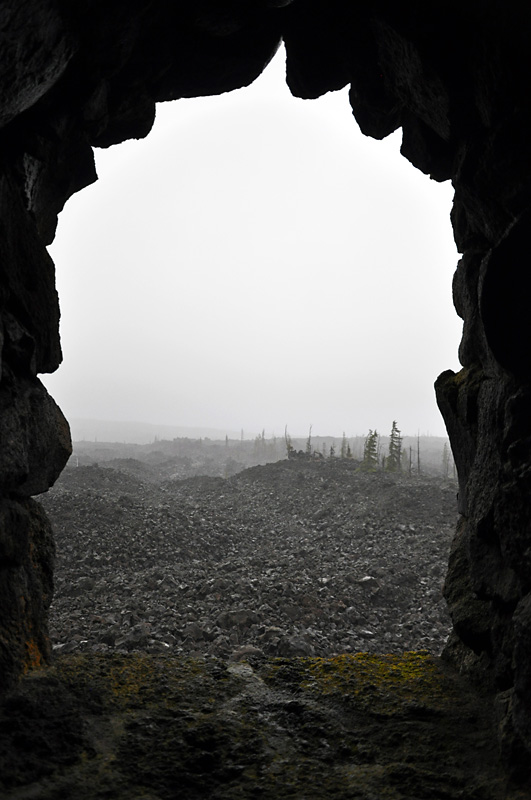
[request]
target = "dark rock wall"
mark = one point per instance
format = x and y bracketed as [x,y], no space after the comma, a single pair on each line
[453,75]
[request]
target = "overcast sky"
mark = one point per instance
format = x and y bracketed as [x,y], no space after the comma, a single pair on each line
[257,262]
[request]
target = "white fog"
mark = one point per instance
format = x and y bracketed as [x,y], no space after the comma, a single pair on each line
[257,262]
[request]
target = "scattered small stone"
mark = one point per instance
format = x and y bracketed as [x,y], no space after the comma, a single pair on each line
[216,566]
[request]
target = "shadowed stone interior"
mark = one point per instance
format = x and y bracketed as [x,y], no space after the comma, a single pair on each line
[454,77]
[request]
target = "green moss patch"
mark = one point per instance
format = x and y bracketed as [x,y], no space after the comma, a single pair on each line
[137,680]
[382,684]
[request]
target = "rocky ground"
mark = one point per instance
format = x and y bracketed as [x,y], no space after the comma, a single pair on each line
[295,558]
[156,727]
[195,625]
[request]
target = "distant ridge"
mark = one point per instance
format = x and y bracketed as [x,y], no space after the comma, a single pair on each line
[90,430]
[141,433]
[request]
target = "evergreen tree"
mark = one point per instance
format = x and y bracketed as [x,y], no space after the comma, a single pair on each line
[344,446]
[393,461]
[309,442]
[287,439]
[370,451]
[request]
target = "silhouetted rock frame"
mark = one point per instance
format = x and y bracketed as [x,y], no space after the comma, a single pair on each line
[454,77]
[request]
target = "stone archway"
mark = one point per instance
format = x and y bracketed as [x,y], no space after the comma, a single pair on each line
[453,77]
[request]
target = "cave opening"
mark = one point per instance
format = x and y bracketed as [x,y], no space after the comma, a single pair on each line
[257,251]
[290,203]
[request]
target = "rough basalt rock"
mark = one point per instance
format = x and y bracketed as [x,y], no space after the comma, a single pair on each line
[353,727]
[454,76]
[26,586]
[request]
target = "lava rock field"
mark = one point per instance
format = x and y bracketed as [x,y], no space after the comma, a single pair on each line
[288,559]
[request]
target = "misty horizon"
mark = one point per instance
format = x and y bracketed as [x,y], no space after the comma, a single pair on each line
[257,262]
[94,429]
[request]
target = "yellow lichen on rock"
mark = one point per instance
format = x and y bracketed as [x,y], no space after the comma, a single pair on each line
[128,681]
[384,682]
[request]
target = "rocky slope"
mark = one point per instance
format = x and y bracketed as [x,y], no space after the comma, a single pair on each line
[288,559]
